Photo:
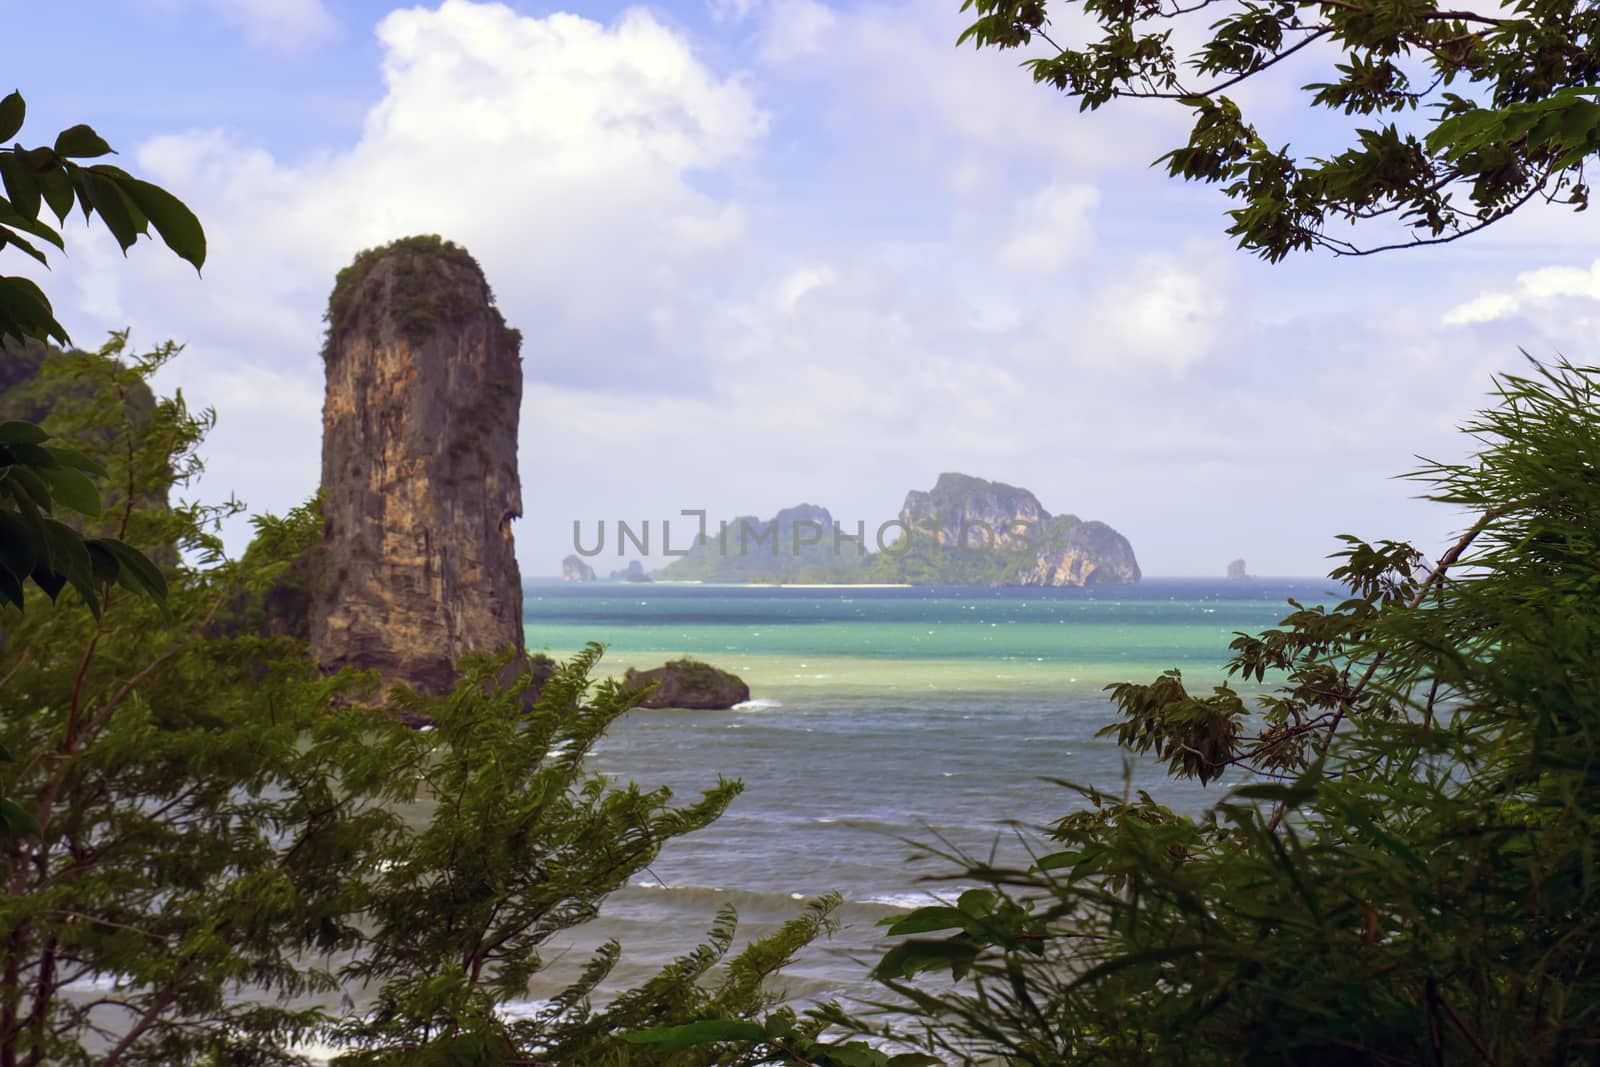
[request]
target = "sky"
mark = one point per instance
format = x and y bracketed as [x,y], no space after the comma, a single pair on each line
[765,252]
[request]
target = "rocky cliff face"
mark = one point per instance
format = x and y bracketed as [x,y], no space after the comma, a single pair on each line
[966,512]
[1080,553]
[970,530]
[419,468]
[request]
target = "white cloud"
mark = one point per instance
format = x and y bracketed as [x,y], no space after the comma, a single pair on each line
[802,281]
[280,24]
[743,289]
[1164,312]
[797,30]
[1053,228]
[1534,290]
[731,10]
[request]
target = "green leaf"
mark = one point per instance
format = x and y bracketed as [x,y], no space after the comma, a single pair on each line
[73,489]
[106,567]
[25,312]
[121,216]
[19,551]
[15,823]
[31,455]
[65,552]
[67,457]
[30,226]
[1291,795]
[925,920]
[56,186]
[856,1054]
[67,557]
[17,432]
[21,186]
[137,574]
[34,490]
[707,1031]
[48,580]
[80,142]
[904,961]
[173,220]
[10,237]
[12,112]
[976,902]
[10,588]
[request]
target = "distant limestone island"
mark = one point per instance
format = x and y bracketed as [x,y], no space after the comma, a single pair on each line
[964,531]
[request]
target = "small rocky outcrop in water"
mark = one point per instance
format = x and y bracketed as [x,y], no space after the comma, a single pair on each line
[688,683]
[1236,571]
[574,569]
[419,468]
[633,572]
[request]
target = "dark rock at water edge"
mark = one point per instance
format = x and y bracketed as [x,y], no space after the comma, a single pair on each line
[688,683]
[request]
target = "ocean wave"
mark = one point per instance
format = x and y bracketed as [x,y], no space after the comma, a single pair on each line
[757,705]
[753,903]
[908,899]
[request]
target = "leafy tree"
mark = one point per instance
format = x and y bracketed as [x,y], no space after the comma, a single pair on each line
[1406,873]
[217,841]
[37,477]
[1511,87]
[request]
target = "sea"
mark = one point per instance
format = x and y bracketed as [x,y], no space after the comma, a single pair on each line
[882,721]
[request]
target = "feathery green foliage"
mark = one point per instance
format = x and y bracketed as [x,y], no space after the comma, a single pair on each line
[1406,873]
[210,841]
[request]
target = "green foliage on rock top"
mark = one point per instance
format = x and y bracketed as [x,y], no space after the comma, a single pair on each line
[423,298]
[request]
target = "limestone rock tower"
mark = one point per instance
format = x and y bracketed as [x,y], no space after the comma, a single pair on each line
[419,468]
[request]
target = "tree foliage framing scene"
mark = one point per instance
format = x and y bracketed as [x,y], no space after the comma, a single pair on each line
[362,782]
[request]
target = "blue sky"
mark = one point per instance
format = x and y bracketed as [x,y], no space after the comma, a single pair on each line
[773,251]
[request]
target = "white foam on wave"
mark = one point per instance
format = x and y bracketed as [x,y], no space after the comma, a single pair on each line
[757,705]
[908,901]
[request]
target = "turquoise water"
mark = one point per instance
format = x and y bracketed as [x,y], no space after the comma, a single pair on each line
[877,714]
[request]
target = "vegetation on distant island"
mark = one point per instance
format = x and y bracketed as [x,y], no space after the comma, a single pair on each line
[421,300]
[1509,91]
[923,561]
[1405,870]
[965,531]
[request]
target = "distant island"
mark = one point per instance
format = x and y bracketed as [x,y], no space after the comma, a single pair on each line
[964,531]
[574,569]
[1237,573]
